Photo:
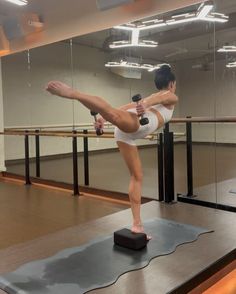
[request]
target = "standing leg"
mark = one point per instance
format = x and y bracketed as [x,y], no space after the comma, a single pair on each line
[131,157]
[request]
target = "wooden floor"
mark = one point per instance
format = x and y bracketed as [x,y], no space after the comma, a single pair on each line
[28,212]
[226,285]
[163,273]
[219,193]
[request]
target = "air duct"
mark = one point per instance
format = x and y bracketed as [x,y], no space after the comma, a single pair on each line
[108,4]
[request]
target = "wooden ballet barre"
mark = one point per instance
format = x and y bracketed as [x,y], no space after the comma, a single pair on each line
[155,136]
[37,127]
[70,134]
[56,134]
[224,119]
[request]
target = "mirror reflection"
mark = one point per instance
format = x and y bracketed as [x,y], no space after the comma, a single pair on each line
[197,42]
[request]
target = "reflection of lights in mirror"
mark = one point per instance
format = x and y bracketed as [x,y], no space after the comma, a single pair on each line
[202,14]
[134,65]
[143,43]
[227,49]
[217,17]
[231,64]
[4,43]
[203,10]
[133,36]
[18,2]
[134,39]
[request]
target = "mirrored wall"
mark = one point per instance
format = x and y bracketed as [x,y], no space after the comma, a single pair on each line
[198,42]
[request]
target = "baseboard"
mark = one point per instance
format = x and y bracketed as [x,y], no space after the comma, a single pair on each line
[69,187]
[2,168]
[186,199]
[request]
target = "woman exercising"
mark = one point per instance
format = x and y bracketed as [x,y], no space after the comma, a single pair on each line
[158,108]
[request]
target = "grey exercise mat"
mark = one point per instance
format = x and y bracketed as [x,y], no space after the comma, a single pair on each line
[97,264]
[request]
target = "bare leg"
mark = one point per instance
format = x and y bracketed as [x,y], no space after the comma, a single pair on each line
[131,157]
[124,120]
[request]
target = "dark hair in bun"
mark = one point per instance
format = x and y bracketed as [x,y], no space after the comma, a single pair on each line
[163,76]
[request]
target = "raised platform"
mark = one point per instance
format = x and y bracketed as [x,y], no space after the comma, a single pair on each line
[164,274]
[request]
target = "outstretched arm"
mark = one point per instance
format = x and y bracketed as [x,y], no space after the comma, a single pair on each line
[127,106]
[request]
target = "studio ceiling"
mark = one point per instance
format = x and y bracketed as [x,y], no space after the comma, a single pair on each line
[43,22]
[197,40]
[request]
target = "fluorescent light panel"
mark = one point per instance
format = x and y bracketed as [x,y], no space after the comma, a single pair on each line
[125,27]
[204,10]
[150,24]
[133,65]
[203,14]
[178,21]
[227,49]
[135,37]
[18,2]
[231,64]
[216,17]
[123,44]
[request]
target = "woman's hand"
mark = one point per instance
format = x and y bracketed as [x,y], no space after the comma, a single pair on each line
[172,87]
[60,89]
[99,124]
[141,108]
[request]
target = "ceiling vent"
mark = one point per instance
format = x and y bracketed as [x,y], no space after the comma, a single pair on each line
[108,4]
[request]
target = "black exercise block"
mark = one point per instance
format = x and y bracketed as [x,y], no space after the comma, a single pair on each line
[127,239]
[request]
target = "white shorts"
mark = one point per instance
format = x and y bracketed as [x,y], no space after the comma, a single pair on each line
[142,132]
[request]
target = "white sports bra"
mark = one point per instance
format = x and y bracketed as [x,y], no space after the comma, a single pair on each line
[166,113]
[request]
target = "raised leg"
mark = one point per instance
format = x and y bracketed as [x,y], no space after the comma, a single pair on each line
[124,120]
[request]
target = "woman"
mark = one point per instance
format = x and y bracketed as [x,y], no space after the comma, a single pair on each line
[157,107]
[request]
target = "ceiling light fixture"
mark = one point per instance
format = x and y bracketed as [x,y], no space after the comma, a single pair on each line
[18,2]
[227,49]
[202,14]
[126,27]
[216,17]
[204,10]
[231,64]
[123,44]
[135,37]
[151,24]
[134,40]
[133,65]
[177,19]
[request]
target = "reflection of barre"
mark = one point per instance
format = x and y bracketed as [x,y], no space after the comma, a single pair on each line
[63,126]
[54,134]
[155,136]
[91,134]
[225,119]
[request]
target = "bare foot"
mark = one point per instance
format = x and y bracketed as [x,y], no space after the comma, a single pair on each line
[139,229]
